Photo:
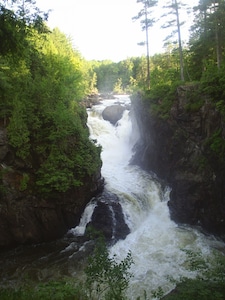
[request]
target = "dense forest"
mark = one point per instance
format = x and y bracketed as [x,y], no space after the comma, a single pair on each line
[202,58]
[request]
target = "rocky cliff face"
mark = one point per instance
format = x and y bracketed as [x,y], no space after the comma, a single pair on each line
[183,151]
[25,216]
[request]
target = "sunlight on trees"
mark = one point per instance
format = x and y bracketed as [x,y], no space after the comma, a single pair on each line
[43,80]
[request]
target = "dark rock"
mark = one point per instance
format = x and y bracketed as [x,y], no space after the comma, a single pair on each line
[176,150]
[27,218]
[113,113]
[108,218]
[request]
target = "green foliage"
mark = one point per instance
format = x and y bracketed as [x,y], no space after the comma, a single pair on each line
[18,131]
[213,82]
[56,173]
[194,106]
[207,40]
[24,182]
[40,95]
[117,89]
[64,169]
[106,278]
[16,22]
[158,293]
[194,98]
[216,144]
[60,290]
[160,99]
[52,290]
[209,283]
[191,289]
[195,261]
[220,105]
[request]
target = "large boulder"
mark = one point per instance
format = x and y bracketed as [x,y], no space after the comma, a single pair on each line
[113,113]
[108,218]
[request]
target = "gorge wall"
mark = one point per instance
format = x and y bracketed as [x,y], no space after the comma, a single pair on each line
[186,150]
[27,217]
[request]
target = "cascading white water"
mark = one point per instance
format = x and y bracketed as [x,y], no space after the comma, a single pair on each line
[155,241]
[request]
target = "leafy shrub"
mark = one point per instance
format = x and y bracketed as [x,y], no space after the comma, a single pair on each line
[197,289]
[106,278]
[216,145]
[160,99]
[24,182]
[53,290]
[209,283]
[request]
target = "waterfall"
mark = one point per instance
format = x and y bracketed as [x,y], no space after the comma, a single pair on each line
[156,242]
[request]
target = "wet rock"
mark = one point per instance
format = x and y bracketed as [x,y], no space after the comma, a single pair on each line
[108,218]
[113,113]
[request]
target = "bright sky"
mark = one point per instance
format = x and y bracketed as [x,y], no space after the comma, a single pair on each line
[102,29]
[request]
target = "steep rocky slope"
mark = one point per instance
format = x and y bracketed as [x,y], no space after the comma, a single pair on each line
[186,149]
[25,215]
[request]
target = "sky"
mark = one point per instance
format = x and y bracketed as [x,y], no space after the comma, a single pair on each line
[103,29]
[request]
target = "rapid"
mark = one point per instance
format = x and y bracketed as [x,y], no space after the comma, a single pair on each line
[157,244]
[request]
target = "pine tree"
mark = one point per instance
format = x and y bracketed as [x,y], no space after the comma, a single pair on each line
[146,23]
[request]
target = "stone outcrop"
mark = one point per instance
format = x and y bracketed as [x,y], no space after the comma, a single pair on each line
[25,216]
[90,100]
[108,218]
[178,149]
[113,113]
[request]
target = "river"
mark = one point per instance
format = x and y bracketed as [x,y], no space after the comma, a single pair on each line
[157,244]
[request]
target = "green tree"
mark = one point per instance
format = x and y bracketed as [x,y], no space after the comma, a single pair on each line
[17,18]
[118,86]
[125,71]
[146,23]
[173,21]
[107,278]
[40,95]
[140,71]
[208,37]
[107,75]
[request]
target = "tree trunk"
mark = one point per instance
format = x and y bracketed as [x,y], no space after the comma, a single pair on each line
[147,46]
[179,41]
[218,48]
